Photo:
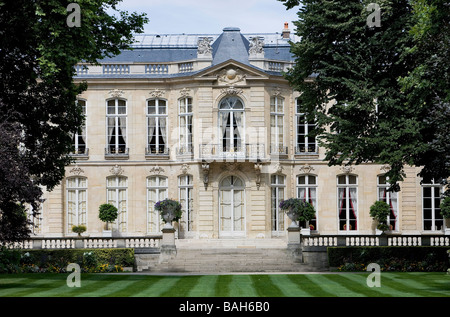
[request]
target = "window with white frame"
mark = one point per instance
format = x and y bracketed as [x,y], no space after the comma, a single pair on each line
[276,124]
[307,190]
[76,202]
[389,197]
[157,126]
[35,220]
[231,124]
[185,125]
[157,190]
[117,126]
[186,194]
[278,188]
[431,201]
[117,191]
[79,139]
[305,141]
[347,186]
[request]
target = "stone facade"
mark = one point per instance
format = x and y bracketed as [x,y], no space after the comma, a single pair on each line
[211,123]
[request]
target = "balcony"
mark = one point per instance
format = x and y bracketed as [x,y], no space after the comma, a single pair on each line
[278,150]
[215,152]
[82,153]
[153,152]
[185,152]
[117,153]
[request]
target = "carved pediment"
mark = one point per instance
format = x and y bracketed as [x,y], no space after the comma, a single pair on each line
[231,73]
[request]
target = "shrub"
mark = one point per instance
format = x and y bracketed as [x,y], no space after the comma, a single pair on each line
[379,211]
[445,208]
[79,229]
[107,213]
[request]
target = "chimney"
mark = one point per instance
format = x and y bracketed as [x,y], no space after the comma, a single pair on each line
[286,32]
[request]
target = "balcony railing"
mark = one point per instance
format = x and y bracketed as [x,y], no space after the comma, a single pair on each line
[88,243]
[80,153]
[120,152]
[217,152]
[156,151]
[279,149]
[185,150]
[322,241]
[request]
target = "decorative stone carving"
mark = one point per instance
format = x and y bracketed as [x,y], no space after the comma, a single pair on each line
[231,166]
[306,169]
[184,168]
[277,92]
[156,170]
[231,76]
[231,91]
[256,46]
[204,46]
[157,93]
[116,170]
[347,169]
[205,170]
[258,168]
[77,170]
[116,93]
[385,168]
[278,168]
[185,92]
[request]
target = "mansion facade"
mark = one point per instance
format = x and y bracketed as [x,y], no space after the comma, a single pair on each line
[209,120]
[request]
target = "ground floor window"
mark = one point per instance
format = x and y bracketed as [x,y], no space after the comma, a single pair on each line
[116,187]
[156,191]
[76,202]
[185,188]
[307,190]
[347,202]
[277,195]
[431,200]
[232,205]
[389,197]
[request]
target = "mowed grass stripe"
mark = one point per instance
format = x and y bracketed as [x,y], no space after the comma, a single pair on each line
[288,287]
[265,287]
[222,286]
[182,287]
[337,284]
[242,286]
[425,284]
[358,281]
[30,286]
[10,285]
[205,287]
[310,286]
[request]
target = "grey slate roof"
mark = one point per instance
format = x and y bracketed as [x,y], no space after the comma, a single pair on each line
[231,44]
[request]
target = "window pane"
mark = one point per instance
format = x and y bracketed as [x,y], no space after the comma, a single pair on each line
[112,107]
[342,180]
[122,107]
[151,106]
[162,107]
[352,179]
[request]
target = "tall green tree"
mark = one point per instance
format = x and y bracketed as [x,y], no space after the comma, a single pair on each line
[38,114]
[349,76]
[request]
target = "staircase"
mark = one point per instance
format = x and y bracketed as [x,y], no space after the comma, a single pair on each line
[226,256]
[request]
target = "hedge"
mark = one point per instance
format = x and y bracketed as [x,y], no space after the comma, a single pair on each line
[403,259]
[90,260]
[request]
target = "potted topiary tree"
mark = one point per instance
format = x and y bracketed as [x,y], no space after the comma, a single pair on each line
[379,211]
[79,229]
[298,210]
[445,212]
[107,213]
[170,210]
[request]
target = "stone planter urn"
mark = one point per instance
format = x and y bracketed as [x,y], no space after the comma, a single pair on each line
[170,210]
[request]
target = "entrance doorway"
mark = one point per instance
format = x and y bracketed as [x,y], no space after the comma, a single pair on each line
[231,207]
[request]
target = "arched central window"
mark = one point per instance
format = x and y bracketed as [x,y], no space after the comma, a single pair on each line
[231,125]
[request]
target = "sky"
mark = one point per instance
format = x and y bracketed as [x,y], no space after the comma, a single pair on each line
[212,16]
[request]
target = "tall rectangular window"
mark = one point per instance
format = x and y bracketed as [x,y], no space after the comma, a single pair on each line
[307,190]
[116,187]
[79,139]
[117,126]
[157,127]
[347,202]
[186,193]
[185,125]
[156,191]
[277,187]
[276,124]
[389,197]
[76,202]
[305,141]
[431,201]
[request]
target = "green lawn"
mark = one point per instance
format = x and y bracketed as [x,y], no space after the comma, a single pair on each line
[261,285]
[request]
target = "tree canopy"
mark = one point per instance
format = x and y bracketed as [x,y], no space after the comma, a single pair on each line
[38,112]
[378,94]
